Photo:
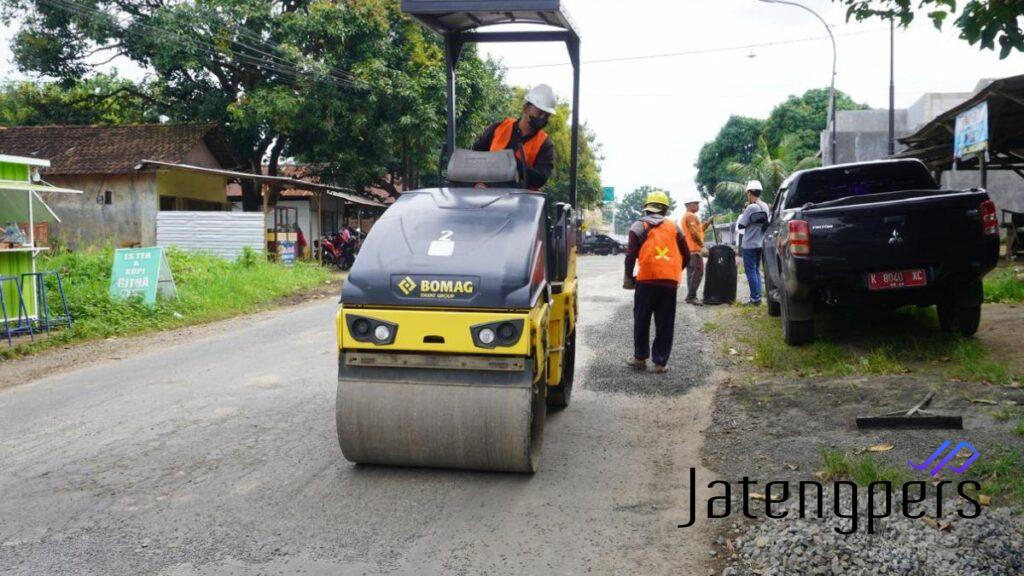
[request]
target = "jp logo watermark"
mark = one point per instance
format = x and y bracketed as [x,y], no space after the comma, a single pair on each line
[947,458]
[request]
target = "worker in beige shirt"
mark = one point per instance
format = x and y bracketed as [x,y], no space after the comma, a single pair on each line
[693,230]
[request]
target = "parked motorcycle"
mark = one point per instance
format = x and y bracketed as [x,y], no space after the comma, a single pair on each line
[337,251]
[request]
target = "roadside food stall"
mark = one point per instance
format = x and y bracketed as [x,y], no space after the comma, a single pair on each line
[25,306]
[984,133]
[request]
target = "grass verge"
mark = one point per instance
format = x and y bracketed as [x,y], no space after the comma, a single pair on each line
[1005,285]
[209,288]
[850,344]
[862,469]
[1001,476]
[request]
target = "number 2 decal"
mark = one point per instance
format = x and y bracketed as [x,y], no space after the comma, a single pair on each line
[443,246]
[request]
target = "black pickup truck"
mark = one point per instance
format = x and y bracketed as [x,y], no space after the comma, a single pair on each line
[877,234]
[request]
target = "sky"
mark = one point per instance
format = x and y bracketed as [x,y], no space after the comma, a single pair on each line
[652,115]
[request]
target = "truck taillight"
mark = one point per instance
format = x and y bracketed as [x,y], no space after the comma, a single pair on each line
[799,237]
[989,221]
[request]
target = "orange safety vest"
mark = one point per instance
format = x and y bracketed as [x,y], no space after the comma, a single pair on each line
[695,245]
[660,258]
[503,135]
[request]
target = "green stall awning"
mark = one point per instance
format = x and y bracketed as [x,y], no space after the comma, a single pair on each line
[14,197]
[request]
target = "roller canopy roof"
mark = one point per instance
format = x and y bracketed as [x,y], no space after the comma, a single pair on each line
[451,16]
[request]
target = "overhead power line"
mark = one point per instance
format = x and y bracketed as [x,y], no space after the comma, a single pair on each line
[699,52]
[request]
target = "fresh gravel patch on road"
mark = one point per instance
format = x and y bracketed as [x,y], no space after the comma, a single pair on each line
[991,544]
[689,365]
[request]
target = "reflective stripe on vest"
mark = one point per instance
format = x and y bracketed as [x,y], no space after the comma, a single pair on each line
[503,135]
[660,258]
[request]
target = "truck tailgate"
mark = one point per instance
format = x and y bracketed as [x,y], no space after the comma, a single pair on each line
[897,234]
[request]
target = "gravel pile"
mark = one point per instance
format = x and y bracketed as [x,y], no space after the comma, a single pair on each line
[992,544]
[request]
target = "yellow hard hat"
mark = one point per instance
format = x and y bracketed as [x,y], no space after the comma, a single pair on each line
[658,197]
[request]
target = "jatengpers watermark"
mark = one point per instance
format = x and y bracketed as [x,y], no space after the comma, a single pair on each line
[846,496]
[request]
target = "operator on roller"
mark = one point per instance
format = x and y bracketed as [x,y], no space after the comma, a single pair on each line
[658,246]
[526,136]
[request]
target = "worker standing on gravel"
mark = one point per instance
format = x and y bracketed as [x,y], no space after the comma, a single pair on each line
[694,230]
[658,249]
[753,222]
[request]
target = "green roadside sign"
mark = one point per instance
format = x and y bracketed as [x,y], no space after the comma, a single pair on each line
[609,194]
[141,272]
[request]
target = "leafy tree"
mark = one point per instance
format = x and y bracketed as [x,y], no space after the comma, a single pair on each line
[736,142]
[354,86]
[798,119]
[102,99]
[770,164]
[804,117]
[631,207]
[396,137]
[982,22]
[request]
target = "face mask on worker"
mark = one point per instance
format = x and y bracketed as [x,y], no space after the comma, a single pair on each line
[538,123]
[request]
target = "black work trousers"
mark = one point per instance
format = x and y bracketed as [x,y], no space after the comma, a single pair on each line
[659,301]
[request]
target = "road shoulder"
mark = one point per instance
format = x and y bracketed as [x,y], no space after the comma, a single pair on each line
[80,355]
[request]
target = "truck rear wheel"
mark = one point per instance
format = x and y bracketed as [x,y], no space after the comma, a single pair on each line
[794,332]
[774,307]
[558,396]
[960,309]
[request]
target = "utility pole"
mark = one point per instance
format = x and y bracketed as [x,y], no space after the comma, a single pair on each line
[892,85]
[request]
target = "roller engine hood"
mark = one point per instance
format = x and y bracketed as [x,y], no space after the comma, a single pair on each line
[454,248]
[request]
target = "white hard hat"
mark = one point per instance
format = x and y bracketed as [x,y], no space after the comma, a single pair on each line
[755,185]
[543,97]
[690,197]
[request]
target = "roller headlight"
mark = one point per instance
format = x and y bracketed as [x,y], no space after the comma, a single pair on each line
[371,330]
[361,327]
[507,332]
[501,334]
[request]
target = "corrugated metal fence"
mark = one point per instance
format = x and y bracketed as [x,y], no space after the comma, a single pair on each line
[224,234]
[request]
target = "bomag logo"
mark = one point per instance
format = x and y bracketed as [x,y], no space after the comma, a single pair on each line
[446,289]
[407,285]
[438,288]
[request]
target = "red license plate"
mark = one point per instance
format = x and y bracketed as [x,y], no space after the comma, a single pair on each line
[898,279]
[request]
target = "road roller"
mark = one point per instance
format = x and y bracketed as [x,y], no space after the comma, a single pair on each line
[457,324]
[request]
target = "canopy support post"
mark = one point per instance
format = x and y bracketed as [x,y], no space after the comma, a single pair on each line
[573,43]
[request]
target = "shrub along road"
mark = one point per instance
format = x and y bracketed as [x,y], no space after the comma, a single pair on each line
[209,289]
[217,454]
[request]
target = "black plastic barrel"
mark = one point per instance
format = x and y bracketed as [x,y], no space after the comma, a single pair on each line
[720,275]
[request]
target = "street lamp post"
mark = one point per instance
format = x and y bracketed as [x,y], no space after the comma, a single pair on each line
[831,121]
[892,86]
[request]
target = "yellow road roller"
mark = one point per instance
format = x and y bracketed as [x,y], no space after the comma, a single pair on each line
[456,329]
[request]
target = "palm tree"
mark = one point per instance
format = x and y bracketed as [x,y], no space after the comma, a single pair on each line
[770,165]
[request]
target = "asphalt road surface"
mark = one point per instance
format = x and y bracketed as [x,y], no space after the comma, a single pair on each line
[219,456]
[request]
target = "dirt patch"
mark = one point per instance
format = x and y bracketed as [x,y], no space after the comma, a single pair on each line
[775,423]
[79,355]
[1001,330]
[776,429]
[772,425]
